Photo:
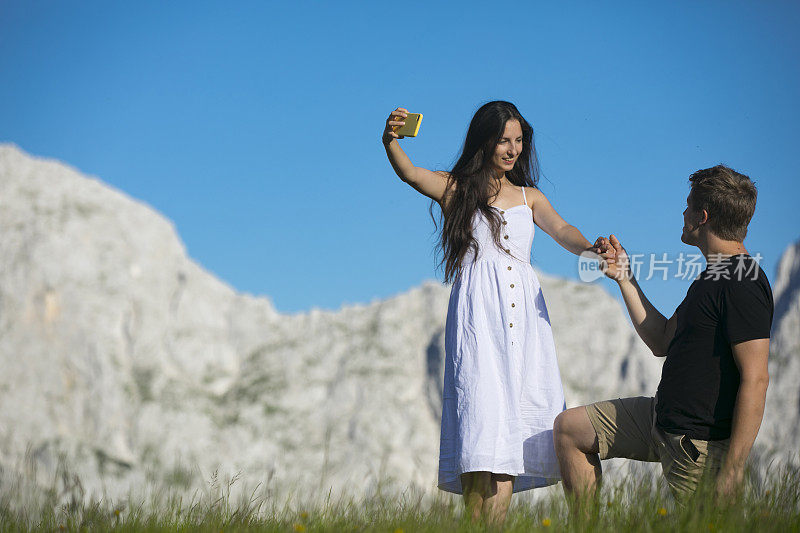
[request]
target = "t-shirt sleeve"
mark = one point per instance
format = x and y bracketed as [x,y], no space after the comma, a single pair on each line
[747,311]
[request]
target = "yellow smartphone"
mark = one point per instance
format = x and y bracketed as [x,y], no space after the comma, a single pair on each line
[411,126]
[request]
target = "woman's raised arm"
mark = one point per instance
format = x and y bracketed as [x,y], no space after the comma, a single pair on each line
[431,184]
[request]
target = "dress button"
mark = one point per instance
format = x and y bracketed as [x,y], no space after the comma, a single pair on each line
[512,304]
[505,236]
[502,212]
[509,268]
[506,249]
[512,285]
[510,325]
[505,222]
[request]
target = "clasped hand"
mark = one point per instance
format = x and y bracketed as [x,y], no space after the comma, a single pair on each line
[613,258]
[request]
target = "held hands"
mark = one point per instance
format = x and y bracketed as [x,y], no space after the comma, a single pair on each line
[394,121]
[613,258]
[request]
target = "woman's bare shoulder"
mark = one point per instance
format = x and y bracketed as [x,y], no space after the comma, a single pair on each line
[533,195]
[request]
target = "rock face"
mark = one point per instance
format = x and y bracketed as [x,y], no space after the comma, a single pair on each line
[780,429]
[122,356]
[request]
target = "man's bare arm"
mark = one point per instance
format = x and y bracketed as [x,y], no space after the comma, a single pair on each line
[653,327]
[751,358]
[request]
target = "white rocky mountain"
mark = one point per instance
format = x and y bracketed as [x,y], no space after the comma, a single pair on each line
[780,430]
[122,357]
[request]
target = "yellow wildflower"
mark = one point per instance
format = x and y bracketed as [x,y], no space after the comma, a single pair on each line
[662,512]
[299,528]
[304,515]
[546,522]
[398,530]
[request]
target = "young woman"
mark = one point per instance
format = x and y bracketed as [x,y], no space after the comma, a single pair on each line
[502,388]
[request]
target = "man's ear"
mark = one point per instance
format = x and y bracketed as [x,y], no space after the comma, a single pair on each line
[703,217]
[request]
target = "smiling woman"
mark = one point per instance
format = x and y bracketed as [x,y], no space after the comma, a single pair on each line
[508,147]
[502,388]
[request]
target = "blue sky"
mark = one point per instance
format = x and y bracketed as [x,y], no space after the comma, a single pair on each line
[255,126]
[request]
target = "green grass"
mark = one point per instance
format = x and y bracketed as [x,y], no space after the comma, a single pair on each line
[769,502]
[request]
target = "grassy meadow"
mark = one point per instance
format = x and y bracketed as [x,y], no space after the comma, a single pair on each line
[770,501]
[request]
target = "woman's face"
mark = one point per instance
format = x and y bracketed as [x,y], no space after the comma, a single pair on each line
[509,147]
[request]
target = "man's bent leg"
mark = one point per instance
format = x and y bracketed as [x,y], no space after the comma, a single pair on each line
[576,447]
[619,428]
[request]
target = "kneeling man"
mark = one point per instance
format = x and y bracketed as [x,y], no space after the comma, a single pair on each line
[710,401]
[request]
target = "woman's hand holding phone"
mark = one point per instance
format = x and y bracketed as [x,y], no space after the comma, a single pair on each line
[393,123]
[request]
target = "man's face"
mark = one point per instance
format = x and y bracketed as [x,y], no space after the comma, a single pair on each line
[691,223]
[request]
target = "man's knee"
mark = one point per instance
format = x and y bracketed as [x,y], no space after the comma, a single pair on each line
[573,428]
[561,426]
[567,423]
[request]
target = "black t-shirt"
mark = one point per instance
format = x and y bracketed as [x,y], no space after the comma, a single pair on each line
[729,302]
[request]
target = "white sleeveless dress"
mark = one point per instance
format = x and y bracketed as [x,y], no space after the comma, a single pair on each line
[502,388]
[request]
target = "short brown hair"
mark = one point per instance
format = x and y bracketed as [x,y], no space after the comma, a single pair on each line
[728,196]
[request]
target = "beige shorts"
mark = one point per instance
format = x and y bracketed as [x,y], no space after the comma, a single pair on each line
[626,427]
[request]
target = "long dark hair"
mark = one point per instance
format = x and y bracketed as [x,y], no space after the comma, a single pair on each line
[472,182]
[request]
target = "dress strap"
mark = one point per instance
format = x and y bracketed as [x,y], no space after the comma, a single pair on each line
[523,195]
